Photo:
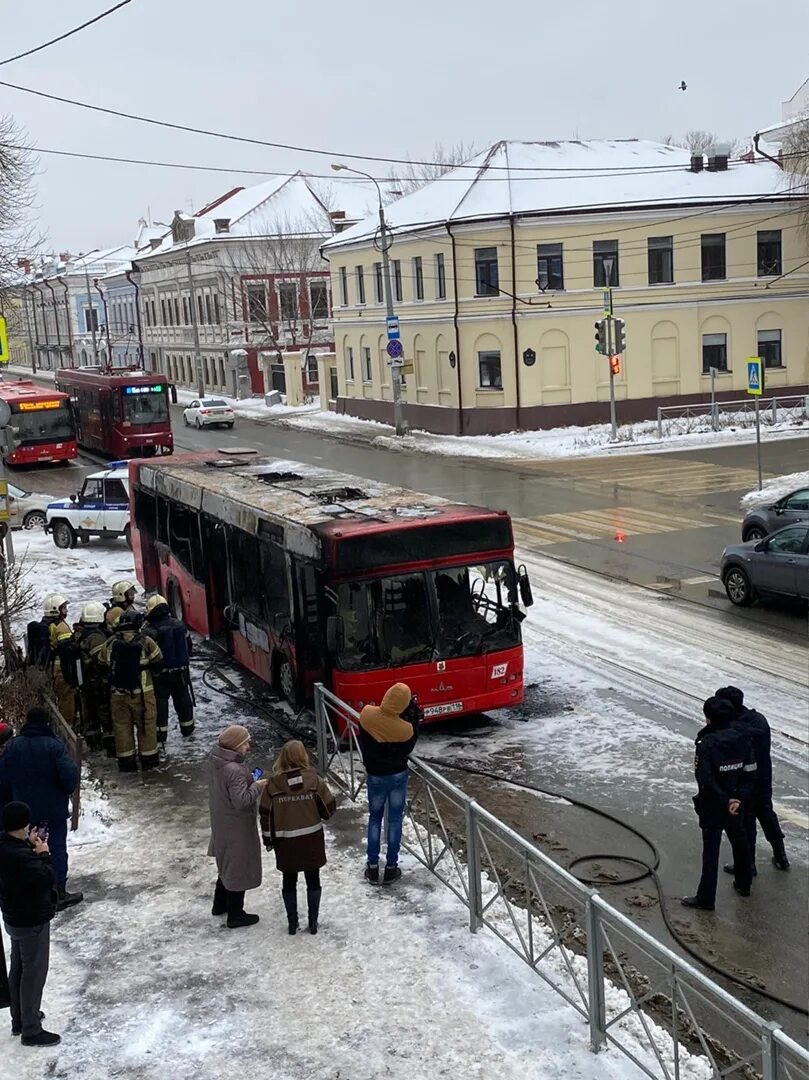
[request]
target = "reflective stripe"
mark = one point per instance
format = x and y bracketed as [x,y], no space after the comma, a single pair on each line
[288,834]
[750,768]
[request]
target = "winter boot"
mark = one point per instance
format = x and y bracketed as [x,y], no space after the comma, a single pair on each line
[220,900]
[392,873]
[243,918]
[128,764]
[108,743]
[695,902]
[291,904]
[313,903]
[43,1038]
[779,856]
[729,868]
[372,874]
[67,899]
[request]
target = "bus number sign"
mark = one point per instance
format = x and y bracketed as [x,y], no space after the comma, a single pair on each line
[37,406]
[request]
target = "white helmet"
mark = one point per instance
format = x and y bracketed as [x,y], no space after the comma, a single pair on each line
[92,612]
[53,604]
[120,589]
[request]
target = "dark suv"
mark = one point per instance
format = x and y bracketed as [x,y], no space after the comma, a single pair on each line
[775,566]
[763,520]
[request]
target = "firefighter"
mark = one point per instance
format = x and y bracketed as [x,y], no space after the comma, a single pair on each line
[123,598]
[51,644]
[95,689]
[132,657]
[173,682]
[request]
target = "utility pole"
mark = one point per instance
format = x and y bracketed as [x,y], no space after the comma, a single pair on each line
[610,353]
[91,312]
[385,243]
[194,326]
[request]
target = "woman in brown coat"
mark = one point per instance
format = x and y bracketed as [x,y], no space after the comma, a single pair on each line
[233,795]
[293,808]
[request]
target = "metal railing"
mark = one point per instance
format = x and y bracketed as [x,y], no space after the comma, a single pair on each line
[634,992]
[684,419]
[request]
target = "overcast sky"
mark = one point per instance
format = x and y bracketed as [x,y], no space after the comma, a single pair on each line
[372,78]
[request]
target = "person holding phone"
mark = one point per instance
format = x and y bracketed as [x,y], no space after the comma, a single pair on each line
[295,803]
[28,902]
[233,795]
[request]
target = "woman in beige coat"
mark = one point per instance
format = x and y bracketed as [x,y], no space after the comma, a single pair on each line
[233,796]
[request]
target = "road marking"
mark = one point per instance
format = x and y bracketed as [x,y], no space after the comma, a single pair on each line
[676,477]
[608,523]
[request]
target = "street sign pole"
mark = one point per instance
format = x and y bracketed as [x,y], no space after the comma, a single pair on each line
[755,386]
[758,447]
[610,348]
[714,415]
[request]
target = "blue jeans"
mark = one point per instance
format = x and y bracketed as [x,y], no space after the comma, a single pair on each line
[57,842]
[382,790]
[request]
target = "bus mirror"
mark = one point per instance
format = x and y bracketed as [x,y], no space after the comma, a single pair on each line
[333,634]
[173,392]
[526,593]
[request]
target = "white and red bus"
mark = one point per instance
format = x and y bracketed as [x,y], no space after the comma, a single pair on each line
[307,574]
[43,421]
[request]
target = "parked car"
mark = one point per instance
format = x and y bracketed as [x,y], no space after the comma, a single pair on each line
[26,509]
[763,520]
[775,566]
[101,508]
[209,412]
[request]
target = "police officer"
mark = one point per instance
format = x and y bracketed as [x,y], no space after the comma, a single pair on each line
[61,653]
[173,682]
[123,598]
[760,806]
[725,767]
[91,638]
[131,658]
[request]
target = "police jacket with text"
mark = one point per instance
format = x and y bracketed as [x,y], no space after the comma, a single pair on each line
[756,726]
[725,768]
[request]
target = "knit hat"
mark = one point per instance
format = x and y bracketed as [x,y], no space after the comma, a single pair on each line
[6,731]
[233,737]
[38,714]
[16,815]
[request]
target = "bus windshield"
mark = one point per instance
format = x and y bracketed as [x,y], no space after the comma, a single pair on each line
[43,425]
[430,615]
[145,405]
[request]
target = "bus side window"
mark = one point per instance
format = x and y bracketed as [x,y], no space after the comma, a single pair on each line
[184,541]
[162,531]
[274,585]
[146,513]
[245,563]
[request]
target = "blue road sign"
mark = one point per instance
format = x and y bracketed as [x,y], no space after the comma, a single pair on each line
[395,348]
[393,327]
[755,375]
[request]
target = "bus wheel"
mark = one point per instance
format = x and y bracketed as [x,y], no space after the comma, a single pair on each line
[63,535]
[285,682]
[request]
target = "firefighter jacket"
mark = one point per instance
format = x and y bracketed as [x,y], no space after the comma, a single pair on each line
[172,636]
[725,769]
[91,641]
[64,652]
[131,659]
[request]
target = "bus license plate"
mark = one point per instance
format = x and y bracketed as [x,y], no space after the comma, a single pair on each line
[442,710]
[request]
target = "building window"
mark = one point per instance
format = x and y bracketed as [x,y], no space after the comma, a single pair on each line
[397,279]
[713,257]
[487,278]
[714,352]
[769,347]
[489,371]
[661,260]
[359,274]
[256,301]
[318,299]
[379,288]
[165,321]
[90,319]
[769,253]
[186,316]
[550,271]
[176,304]
[418,278]
[367,365]
[170,311]
[605,264]
[343,286]
[288,301]
[349,364]
[440,277]
[208,309]
[217,316]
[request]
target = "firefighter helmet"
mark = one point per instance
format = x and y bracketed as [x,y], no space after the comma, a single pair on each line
[155,602]
[120,589]
[129,620]
[92,612]
[53,605]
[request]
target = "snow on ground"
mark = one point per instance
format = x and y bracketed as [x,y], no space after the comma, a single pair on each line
[253,408]
[774,489]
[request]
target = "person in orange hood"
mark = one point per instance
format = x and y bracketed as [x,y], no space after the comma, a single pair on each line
[386,742]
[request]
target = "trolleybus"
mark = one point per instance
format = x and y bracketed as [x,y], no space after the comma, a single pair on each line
[42,421]
[307,574]
[122,413]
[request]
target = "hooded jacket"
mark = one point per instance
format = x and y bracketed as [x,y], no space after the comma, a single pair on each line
[37,769]
[292,810]
[386,740]
[27,884]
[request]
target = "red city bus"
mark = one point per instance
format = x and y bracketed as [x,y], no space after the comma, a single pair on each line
[43,420]
[306,574]
[121,413]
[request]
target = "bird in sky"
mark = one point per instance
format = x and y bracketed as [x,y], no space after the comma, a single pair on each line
[683,86]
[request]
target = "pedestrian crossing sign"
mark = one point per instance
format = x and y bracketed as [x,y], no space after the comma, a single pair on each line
[755,375]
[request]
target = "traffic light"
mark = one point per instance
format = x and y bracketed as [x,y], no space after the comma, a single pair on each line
[615,365]
[601,336]
[619,344]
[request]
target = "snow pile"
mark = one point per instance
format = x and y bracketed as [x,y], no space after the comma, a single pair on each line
[252,408]
[774,489]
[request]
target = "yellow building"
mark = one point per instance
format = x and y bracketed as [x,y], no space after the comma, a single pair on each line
[19,341]
[499,271]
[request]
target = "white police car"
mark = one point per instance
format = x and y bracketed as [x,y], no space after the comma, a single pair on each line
[101,508]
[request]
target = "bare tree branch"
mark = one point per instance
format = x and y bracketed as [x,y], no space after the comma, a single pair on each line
[18,166]
[409,178]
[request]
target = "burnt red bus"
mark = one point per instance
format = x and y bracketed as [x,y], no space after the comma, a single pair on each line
[306,574]
[43,422]
[121,413]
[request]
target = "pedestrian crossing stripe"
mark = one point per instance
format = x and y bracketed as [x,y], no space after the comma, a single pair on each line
[605,523]
[674,476]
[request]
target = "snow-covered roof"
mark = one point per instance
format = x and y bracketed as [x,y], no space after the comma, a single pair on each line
[525,178]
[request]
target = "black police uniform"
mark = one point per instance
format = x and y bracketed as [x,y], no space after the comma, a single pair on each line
[725,768]
[759,807]
[172,683]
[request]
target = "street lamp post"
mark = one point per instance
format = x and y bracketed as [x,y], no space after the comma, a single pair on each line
[385,242]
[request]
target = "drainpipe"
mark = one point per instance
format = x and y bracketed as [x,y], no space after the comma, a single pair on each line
[36,291]
[514,323]
[136,287]
[457,331]
[764,154]
[64,285]
[100,292]
[31,343]
[49,287]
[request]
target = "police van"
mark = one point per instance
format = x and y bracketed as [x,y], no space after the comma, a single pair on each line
[101,508]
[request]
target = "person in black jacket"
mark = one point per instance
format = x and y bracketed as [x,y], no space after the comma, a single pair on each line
[387,735]
[760,806]
[725,766]
[28,903]
[172,682]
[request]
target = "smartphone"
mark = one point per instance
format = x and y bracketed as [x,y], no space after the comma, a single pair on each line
[257,774]
[42,832]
